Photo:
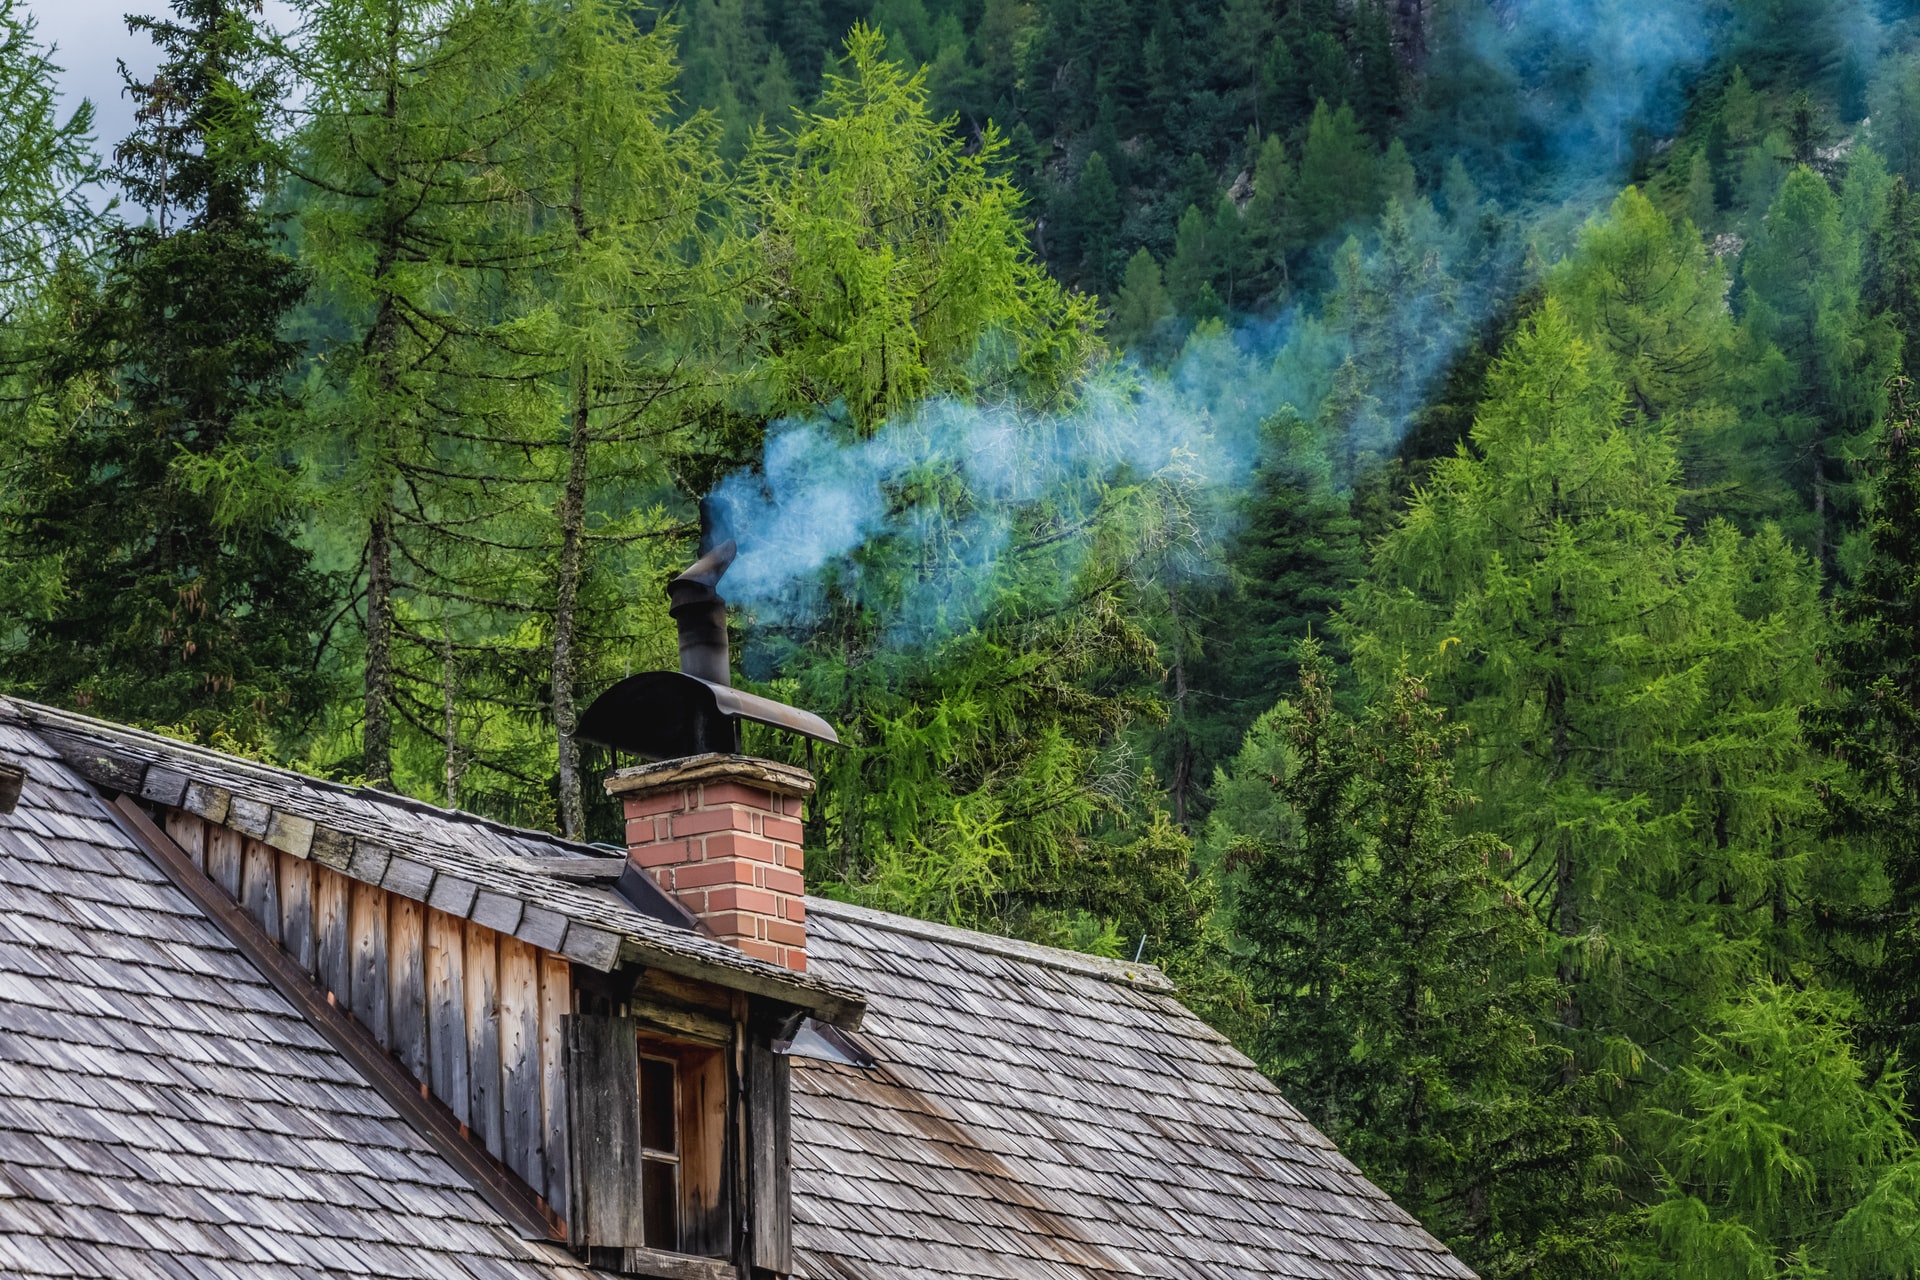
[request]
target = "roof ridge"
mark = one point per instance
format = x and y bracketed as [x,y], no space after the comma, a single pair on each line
[225,759]
[1118,972]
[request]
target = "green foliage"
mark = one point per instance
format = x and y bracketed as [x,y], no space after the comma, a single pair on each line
[1784,1156]
[1337,178]
[48,162]
[1143,311]
[1872,725]
[1646,293]
[896,263]
[1820,390]
[1388,951]
[149,495]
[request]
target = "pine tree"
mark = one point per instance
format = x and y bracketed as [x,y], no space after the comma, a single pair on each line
[1099,213]
[158,478]
[1389,952]
[1890,283]
[1268,224]
[1336,183]
[1142,310]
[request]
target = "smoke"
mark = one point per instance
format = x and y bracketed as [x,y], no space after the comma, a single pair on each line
[1542,104]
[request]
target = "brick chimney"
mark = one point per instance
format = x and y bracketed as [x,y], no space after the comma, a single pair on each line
[722,834]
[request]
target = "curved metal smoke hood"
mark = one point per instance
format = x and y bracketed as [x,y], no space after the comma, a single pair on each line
[668,714]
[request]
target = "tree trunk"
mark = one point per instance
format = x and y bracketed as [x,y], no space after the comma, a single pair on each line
[573,504]
[450,710]
[377,732]
[1182,781]
[382,341]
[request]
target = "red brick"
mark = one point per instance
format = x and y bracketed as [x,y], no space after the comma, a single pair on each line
[790,855]
[694,900]
[701,821]
[672,853]
[736,897]
[716,793]
[786,933]
[646,805]
[764,951]
[782,829]
[648,830]
[738,924]
[794,909]
[737,844]
[717,871]
[795,960]
[781,880]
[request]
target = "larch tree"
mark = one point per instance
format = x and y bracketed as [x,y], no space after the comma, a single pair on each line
[630,282]
[418,385]
[1631,695]
[896,261]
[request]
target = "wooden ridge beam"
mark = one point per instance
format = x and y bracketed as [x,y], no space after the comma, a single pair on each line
[430,1118]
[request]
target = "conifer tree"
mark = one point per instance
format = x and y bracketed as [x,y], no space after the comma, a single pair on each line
[1268,214]
[893,247]
[1389,951]
[1784,1153]
[1142,310]
[398,215]
[1872,725]
[1645,291]
[161,490]
[1336,182]
[48,163]
[1802,278]
[1631,696]
[627,303]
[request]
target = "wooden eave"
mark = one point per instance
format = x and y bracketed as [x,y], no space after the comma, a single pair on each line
[456,862]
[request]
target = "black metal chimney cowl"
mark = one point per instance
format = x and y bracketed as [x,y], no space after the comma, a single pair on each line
[669,714]
[700,613]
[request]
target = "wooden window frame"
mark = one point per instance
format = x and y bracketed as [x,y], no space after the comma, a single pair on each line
[699,1158]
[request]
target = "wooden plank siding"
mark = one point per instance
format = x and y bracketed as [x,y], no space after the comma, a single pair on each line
[522,1129]
[475,1016]
[407,984]
[260,886]
[447,1011]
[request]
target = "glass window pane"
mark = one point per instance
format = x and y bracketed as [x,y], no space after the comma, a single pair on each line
[660,1203]
[658,1105]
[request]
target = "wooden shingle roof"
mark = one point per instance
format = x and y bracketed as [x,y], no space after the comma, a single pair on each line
[1040,1115]
[1031,1114]
[165,1112]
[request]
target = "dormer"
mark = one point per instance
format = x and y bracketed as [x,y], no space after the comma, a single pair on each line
[597,1042]
[600,1065]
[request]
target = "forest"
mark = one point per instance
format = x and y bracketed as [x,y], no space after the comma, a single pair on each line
[1403,513]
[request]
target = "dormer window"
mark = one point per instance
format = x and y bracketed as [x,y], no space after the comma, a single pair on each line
[660,1151]
[658,1173]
